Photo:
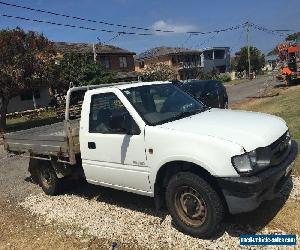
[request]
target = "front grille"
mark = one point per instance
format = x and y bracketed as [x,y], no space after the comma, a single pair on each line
[280,149]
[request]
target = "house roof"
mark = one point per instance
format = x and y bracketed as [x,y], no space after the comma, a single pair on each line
[64,47]
[162,51]
[215,48]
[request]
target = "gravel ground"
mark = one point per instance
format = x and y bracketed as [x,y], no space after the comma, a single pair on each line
[88,212]
[99,216]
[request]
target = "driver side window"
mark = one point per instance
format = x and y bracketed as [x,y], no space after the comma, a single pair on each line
[108,115]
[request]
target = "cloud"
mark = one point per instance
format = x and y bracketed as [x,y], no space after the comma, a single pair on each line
[177,28]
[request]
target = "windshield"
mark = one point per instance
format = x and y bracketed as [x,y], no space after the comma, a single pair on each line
[160,103]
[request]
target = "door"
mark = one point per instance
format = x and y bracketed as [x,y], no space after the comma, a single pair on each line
[113,147]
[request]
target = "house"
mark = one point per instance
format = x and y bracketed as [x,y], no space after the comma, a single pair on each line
[184,61]
[111,57]
[28,99]
[216,58]
[271,62]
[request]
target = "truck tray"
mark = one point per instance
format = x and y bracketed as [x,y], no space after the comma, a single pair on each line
[44,140]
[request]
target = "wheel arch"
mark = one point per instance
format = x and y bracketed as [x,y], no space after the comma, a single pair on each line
[171,168]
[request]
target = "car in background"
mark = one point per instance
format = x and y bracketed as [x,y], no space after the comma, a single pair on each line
[212,93]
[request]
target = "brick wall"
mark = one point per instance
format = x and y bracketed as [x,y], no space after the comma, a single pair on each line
[115,63]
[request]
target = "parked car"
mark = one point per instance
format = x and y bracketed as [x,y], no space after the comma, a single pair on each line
[212,93]
[154,139]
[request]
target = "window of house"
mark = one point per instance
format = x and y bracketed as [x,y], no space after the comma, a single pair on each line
[104,60]
[142,64]
[219,54]
[27,95]
[174,60]
[208,55]
[123,62]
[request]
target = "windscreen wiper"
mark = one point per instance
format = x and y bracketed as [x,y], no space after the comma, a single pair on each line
[184,114]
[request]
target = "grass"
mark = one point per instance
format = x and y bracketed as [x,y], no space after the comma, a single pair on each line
[287,106]
[240,81]
[26,122]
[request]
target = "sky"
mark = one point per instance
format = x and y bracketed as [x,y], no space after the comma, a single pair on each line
[180,16]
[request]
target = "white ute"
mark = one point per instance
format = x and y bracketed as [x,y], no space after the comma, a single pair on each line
[153,139]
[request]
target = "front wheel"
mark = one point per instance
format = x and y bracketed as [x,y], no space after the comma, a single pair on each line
[48,179]
[195,207]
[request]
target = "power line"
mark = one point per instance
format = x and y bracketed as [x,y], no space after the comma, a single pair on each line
[186,40]
[74,17]
[133,27]
[113,38]
[238,40]
[207,40]
[75,26]
[110,31]
[214,31]
[278,32]
[117,25]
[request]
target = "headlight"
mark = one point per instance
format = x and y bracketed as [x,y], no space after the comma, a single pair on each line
[252,161]
[242,163]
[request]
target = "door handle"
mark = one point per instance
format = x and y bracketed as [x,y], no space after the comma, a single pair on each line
[91,145]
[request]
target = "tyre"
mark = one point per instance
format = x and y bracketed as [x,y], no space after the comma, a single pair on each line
[195,207]
[32,169]
[48,179]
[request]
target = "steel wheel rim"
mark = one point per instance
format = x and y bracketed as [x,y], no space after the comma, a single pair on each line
[190,206]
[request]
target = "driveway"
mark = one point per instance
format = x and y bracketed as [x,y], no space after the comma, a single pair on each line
[250,88]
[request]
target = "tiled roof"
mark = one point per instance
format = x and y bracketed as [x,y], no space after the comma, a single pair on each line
[64,47]
[161,51]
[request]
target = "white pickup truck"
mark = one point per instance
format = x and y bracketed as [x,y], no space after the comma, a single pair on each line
[153,139]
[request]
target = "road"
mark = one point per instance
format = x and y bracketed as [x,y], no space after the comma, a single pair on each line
[251,88]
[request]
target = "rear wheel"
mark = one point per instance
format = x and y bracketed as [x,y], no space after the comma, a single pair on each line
[48,179]
[194,205]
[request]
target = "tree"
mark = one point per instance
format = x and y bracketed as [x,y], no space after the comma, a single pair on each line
[293,37]
[25,59]
[159,72]
[80,69]
[240,62]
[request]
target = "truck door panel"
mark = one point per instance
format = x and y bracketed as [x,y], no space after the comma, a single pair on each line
[111,156]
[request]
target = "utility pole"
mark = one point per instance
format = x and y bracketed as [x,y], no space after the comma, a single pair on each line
[298,53]
[247,24]
[94,52]
[298,40]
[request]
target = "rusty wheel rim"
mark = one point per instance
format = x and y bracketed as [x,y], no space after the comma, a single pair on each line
[190,206]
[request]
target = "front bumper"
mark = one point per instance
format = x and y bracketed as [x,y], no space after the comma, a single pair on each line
[244,194]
